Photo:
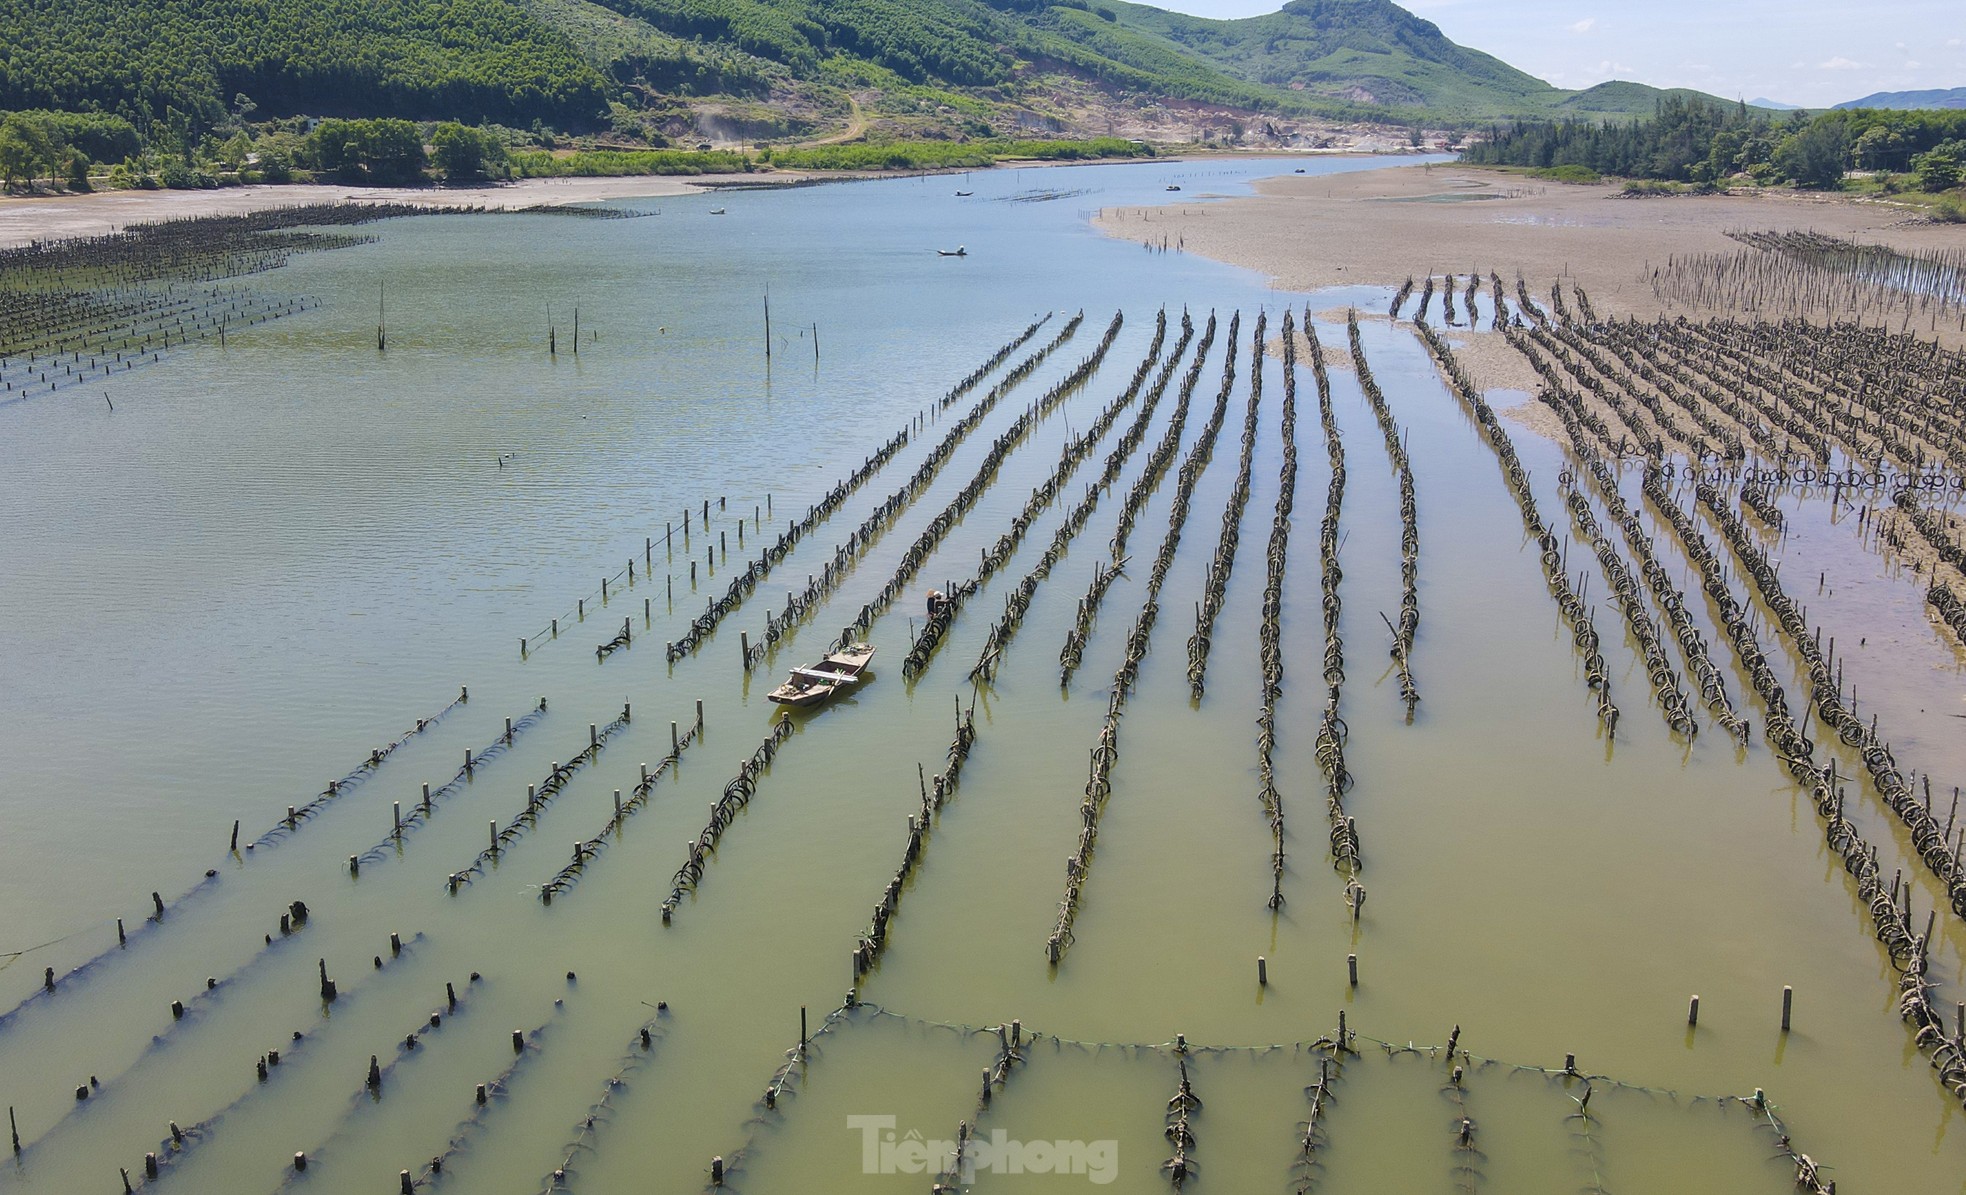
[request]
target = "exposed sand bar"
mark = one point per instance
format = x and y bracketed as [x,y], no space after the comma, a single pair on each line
[23,220]
[1382,226]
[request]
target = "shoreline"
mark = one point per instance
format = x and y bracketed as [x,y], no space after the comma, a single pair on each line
[26,220]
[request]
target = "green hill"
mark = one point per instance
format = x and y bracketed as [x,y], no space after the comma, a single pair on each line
[759,69]
[1363,52]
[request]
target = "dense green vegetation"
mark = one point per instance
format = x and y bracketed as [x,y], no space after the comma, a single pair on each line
[605,162]
[1688,141]
[188,60]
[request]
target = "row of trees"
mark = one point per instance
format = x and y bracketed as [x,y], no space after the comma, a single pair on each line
[62,147]
[1692,141]
[392,151]
[52,145]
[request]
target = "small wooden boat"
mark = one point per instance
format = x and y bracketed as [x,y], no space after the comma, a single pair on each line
[1173,187]
[958,251]
[716,211]
[964,194]
[810,686]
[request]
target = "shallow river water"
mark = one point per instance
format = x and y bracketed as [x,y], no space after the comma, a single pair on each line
[274,557]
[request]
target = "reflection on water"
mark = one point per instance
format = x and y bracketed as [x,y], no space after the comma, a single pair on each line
[271,559]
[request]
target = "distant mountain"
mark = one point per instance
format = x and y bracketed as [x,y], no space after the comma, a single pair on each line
[1620,98]
[764,70]
[1364,54]
[1952,97]
[1773,105]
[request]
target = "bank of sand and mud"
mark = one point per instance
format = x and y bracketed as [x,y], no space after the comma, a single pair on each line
[1381,227]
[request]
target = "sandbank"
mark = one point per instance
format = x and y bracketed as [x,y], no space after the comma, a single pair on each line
[1379,227]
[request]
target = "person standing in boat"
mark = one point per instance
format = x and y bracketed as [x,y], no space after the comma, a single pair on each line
[937,602]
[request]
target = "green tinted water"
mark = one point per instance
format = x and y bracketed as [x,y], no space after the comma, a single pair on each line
[273,558]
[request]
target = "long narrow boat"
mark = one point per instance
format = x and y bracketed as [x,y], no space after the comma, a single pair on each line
[810,686]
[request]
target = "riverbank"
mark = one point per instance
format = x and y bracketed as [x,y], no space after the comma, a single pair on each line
[44,218]
[25,219]
[1380,227]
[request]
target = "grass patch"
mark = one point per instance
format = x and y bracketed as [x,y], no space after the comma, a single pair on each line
[599,163]
[945,155]
[1569,173]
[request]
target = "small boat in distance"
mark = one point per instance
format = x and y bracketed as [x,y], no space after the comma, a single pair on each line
[810,686]
[716,211]
[1173,186]
[958,251]
[964,194]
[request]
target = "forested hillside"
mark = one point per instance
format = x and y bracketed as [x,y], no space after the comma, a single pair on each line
[202,92]
[563,61]
[469,59]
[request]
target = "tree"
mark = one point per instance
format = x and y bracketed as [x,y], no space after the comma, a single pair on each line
[1814,155]
[23,147]
[464,153]
[369,150]
[1880,147]
[16,156]
[1942,167]
[75,167]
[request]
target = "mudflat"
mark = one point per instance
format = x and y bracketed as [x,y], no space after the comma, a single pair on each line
[1380,227]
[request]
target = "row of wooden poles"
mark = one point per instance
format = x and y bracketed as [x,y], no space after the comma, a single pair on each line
[797,606]
[1105,752]
[1076,450]
[743,786]
[1891,916]
[1408,625]
[917,553]
[1838,279]
[1215,586]
[1499,316]
[149,336]
[1008,441]
[1156,466]
[1332,732]
[1333,1052]
[162,908]
[1718,375]
[1568,597]
[1148,396]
